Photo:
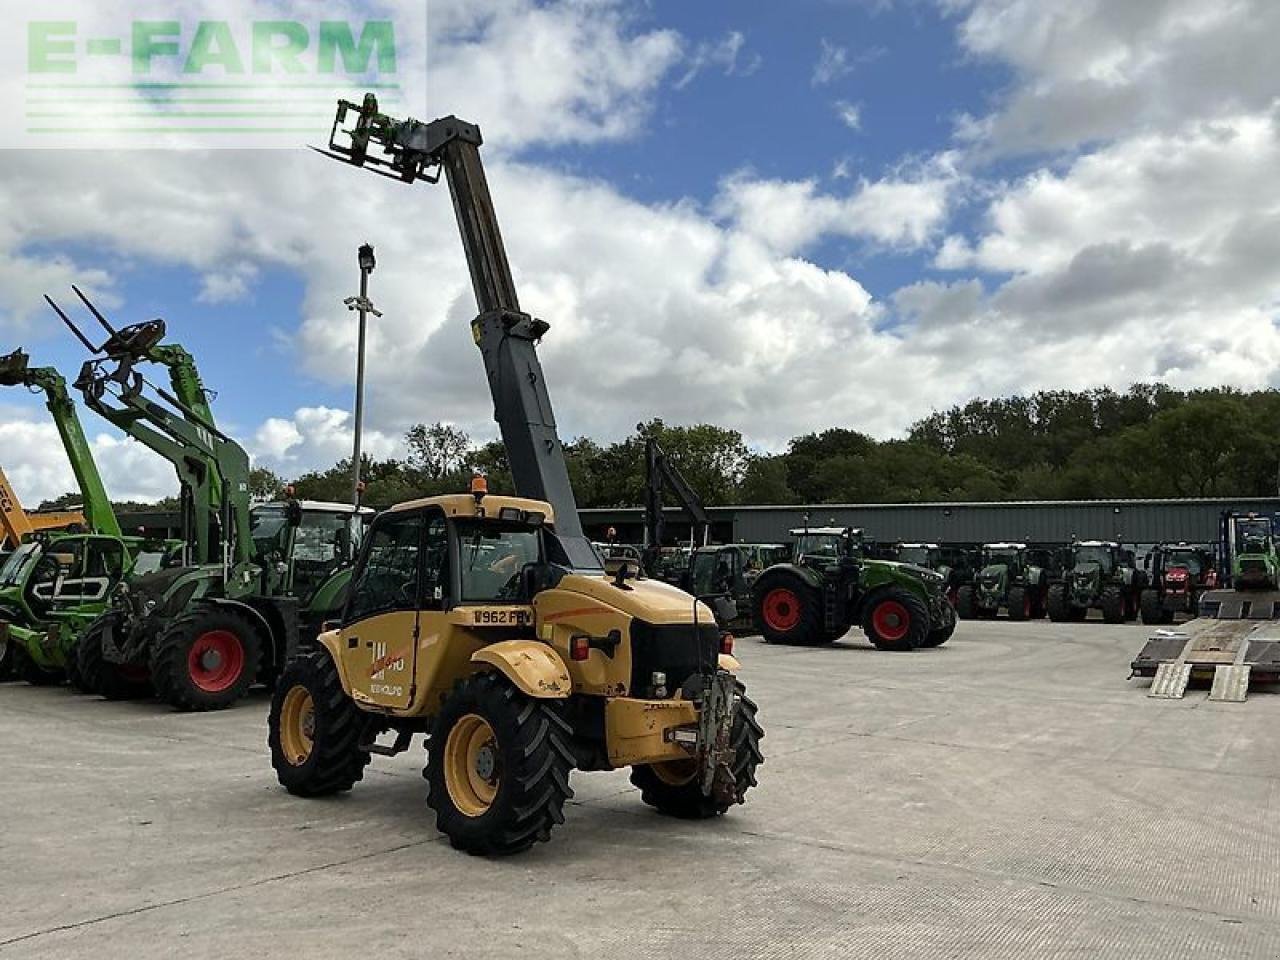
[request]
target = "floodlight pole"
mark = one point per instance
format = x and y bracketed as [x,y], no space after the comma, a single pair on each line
[363,307]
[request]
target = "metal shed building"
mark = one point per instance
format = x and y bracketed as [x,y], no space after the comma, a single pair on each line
[1131,521]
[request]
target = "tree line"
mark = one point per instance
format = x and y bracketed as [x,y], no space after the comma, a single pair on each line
[1149,441]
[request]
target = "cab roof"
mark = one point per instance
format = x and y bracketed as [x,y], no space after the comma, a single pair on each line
[466,505]
[920,546]
[1004,546]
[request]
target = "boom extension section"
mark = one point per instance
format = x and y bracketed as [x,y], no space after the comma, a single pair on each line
[410,150]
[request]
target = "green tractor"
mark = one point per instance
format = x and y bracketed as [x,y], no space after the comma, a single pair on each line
[1010,575]
[1251,546]
[830,586]
[1098,574]
[53,585]
[730,571]
[251,585]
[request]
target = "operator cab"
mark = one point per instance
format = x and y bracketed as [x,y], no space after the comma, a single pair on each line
[826,544]
[1102,553]
[313,538]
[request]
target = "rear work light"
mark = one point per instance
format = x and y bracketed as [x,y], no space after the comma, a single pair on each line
[579,647]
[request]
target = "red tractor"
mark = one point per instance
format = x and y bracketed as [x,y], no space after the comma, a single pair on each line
[1179,574]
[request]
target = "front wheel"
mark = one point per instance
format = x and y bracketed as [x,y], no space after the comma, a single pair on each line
[941,634]
[313,729]
[1058,606]
[498,767]
[672,787]
[1112,602]
[1152,608]
[895,619]
[1019,603]
[206,659]
[25,666]
[964,603]
[114,681]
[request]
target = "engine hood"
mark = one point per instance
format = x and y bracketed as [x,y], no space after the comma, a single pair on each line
[650,600]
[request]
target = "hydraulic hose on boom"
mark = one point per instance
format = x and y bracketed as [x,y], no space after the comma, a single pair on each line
[506,336]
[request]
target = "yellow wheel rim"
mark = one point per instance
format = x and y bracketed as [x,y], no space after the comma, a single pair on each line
[471,765]
[298,725]
[675,773]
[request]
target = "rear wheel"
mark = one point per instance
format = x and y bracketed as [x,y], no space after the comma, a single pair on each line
[498,767]
[789,611]
[114,681]
[1056,603]
[1019,603]
[27,669]
[894,619]
[314,728]
[672,787]
[1152,608]
[206,659]
[1113,604]
[6,653]
[964,602]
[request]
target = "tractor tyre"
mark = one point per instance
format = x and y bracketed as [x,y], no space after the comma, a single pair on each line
[964,602]
[1152,608]
[75,679]
[206,659]
[314,729]
[7,646]
[113,681]
[895,619]
[1112,603]
[1057,605]
[27,669]
[1019,603]
[672,788]
[1132,598]
[1039,603]
[498,765]
[789,611]
[941,634]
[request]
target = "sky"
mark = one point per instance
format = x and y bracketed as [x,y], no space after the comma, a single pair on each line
[773,217]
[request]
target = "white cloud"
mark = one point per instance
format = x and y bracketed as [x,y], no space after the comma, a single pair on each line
[315,437]
[833,63]
[850,114]
[725,54]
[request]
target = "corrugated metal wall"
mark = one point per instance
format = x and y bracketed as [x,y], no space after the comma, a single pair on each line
[1132,521]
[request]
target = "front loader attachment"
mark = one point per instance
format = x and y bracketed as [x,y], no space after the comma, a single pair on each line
[1234,642]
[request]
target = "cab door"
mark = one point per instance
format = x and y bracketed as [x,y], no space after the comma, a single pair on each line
[380,624]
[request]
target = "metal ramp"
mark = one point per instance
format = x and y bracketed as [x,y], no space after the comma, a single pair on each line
[1232,651]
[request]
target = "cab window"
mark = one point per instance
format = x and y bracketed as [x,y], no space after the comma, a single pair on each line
[387,580]
[435,563]
[492,557]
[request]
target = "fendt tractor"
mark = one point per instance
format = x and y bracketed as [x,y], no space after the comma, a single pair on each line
[487,622]
[956,563]
[1010,575]
[1178,574]
[830,585]
[1236,639]
[55,583]
[1097,574]
[199,632]
[730,571]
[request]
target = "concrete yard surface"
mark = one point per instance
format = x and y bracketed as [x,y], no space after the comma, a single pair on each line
[1007,795]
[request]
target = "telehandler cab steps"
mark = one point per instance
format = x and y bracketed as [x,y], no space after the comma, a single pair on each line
[1237,642]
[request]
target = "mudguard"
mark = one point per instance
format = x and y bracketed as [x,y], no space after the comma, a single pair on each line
[533,667]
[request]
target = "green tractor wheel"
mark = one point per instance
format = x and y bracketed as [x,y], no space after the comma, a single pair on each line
[1019,603]
[27,669]
[206,659]
[789,611]
[1113,604]
[941,634]
[1057,604]
[1153,611]
[964,602]
[113,681]
[895,619]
